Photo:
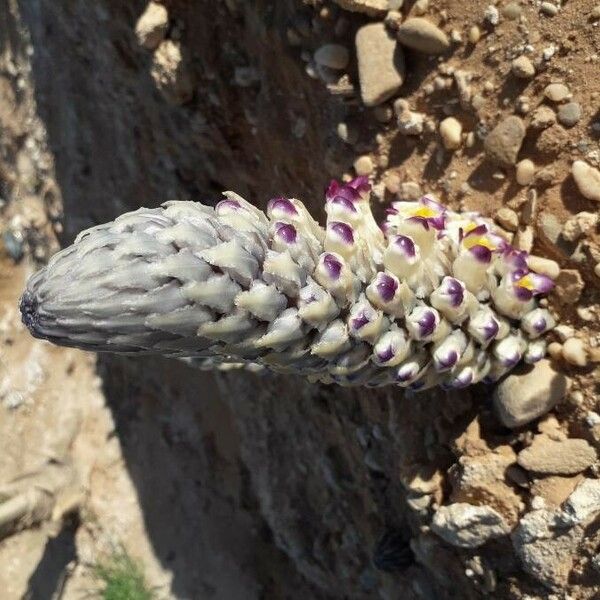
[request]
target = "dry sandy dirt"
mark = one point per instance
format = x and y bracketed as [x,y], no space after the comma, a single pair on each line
[231,486]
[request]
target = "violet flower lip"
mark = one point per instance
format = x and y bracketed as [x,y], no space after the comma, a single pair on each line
[286,232]
[333,266]
[283,206]
[343,231]
[386,286]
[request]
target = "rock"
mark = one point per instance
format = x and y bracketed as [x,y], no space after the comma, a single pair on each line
[468,526]
[332,56]
[171,74]
[523,68]
[569,114]
[574,352]
[381,67]
[523,239]
[481,478]
[372,8]
[347,133]
[579,225]
[451,132]
[545,551]
[492,15]
[554,489]
[503,143]
[474,34]
[542,118]
[569,285]
[512,11]
[363,165]
[410,190]
[583,504]
[587,179]
[422,35]
[557,457]
[525,172]
[528,394]
[152,26]
[549,9]
[409,122]
[557,92]
[543,266]
[507,218]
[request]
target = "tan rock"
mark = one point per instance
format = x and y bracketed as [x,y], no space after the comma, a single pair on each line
[372,8]
[170,73]
[528,393]
[381,67]
[587,179]
[503,143]
[555,489]
[422,35]
[525,172]
[152,25]
[451,132]
[569,285]
[565,457]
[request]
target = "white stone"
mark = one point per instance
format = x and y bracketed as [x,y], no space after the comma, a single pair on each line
[468,526]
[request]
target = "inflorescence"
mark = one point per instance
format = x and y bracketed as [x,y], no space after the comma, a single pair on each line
[433,297]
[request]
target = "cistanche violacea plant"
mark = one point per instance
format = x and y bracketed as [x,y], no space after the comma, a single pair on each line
[433,297]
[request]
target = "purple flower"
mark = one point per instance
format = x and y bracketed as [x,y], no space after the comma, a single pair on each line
[227,206]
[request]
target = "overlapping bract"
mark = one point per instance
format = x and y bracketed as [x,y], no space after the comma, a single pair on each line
[433,297]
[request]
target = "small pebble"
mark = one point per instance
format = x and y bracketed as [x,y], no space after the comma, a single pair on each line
[549,9]
[557,92]
[543,266]
[346,133]
[574,352]
[543,117]
[392,183]
[420,7]
[422,35]
[564,332]
[503,143]
[451,132]
[363,165]
[597,270]
[152,26]
[524,239]
[512,11]
[569,114]
[595,14]
[491,15]
[587,179]
[508,218]
[332,56]
[555,350]
[525,172]
[523,68]
[474,34]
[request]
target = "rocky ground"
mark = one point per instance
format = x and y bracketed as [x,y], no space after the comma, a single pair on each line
[239,486]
